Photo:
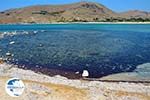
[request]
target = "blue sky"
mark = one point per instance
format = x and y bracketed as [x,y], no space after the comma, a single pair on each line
[116,5]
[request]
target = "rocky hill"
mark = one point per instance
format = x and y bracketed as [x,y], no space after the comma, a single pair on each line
[76,12]
[136,13]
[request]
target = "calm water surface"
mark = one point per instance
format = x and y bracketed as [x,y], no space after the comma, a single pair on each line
[102,49]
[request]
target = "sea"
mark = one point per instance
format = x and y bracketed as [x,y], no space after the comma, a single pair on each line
[101,49]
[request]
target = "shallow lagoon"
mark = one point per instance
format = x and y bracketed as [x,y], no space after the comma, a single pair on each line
[102,49]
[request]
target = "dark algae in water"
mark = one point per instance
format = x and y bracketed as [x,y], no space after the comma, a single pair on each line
[101,49]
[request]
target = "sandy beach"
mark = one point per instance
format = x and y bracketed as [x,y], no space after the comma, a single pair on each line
[42,87]
[79,23]
[99,23]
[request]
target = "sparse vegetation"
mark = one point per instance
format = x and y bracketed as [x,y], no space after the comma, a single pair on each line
[127,19]
[42,12]
[7,14]
[62,19]
[56,13]
[2,12]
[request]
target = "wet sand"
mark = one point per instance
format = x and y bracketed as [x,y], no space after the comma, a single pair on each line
[52,72]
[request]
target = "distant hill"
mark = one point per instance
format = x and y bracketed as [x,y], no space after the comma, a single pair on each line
[76,12]
[137,14]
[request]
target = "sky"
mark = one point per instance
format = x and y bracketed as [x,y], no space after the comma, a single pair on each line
[115,5]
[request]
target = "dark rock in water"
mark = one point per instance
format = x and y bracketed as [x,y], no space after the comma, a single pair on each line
[52,44]
[94,53]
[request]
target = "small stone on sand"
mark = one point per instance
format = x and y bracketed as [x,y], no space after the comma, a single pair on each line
[85,73]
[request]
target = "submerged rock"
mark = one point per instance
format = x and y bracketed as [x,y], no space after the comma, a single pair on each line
[8,54]
[40,45]
[77,72]
[59,64]
[35,32]
[143,68]
[1,35]
[12,42]
[141,73]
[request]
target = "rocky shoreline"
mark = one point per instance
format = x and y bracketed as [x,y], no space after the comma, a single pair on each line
[39,86]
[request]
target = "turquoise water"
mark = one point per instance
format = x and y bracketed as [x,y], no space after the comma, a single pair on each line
[102,49]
